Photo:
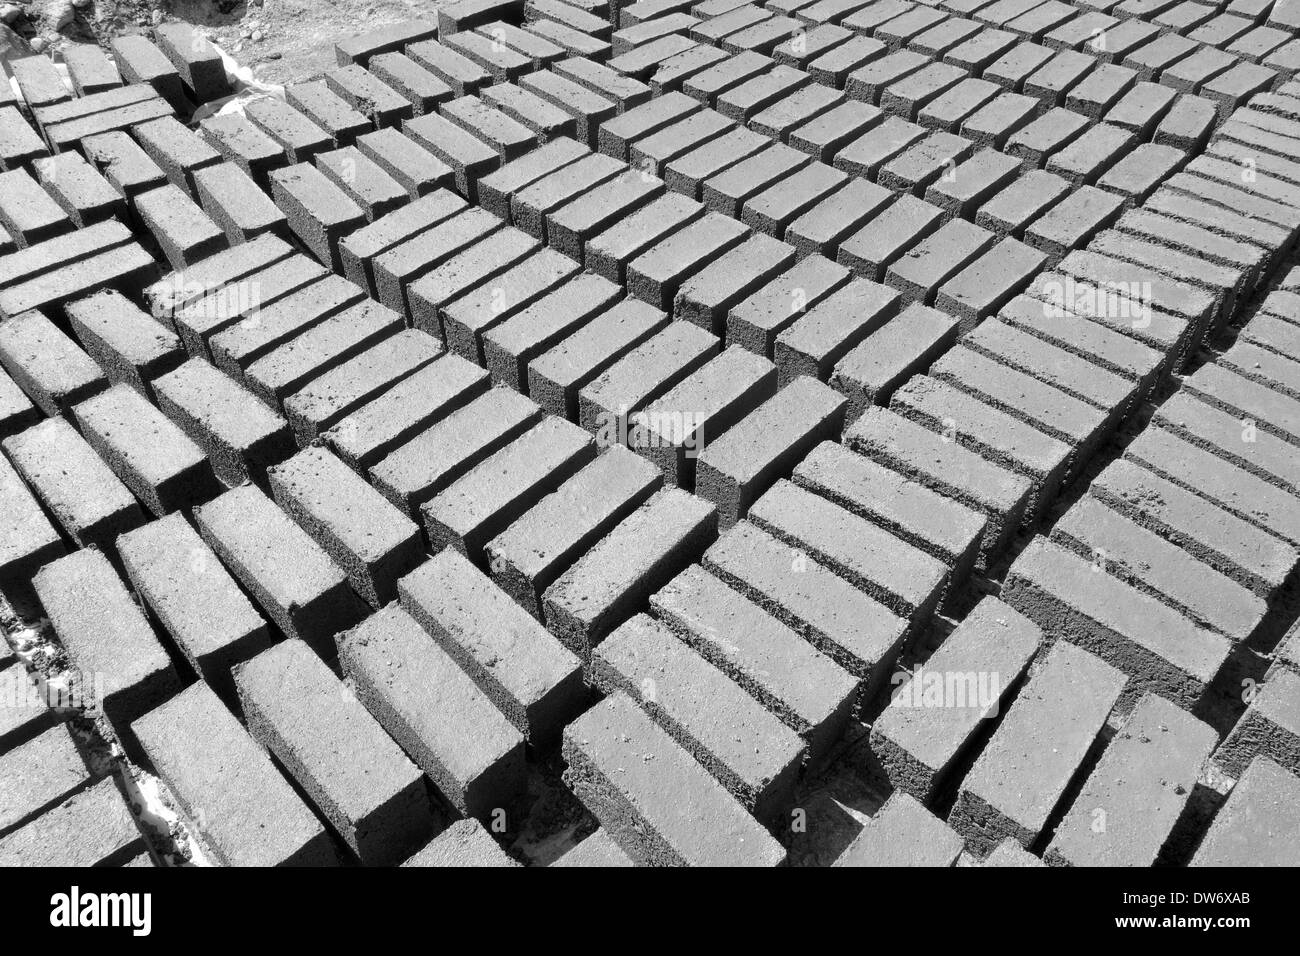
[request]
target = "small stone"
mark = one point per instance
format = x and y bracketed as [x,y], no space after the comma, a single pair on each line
[257,36]
[38,44]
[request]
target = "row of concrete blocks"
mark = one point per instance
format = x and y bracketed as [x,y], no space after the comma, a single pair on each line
[1149,225]
[179,64]
[1129,801]
[185,585]
[1180,668]
[1204,479]
[774,103]
[446,591]
[155,87]
[835,38]
[1196,448]
[1037,569]
[1072,585]
[637,651]
[295,543]
[1044,586]
[520,135]
[1058,25]
[57,807]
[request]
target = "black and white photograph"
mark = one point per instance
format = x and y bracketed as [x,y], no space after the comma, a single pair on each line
[649,433]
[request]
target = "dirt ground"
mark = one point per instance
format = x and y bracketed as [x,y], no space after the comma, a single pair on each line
[280,40]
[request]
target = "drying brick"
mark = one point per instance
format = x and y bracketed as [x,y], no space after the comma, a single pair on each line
[475,266]
[194,598]
[40,775]
[893,572]
[371,794]
[28,543]
[27,212]
[1159,649]
[236,203]
[154,458]
[422,89]
[378,428]
[93,827]
[816,341]
[239,346]
[109,643]
[359,250]
[812,697]
[197,60]
[179,151]
[298,136]
[742,745]
[496,190]
[328,111]
[463,844]
[241,301]
[319,212]
[903,833]
[734,470]
[622,766]
[857,632]
[141,62]
[241,808]
[525,671]
[947,468]
[1142,784]
[528,556]
[1235,838]
[905,345]
[373,542]
[450,446]
[46,364]
[240,435]
[639,555]
[360,49]
[918,745]
[939,526]
[123,163]
[1044,738]
[465,319]
[85,195]
[420,695]
[556,376]
[340,391]
[244,144]
[308,597]
[184,231]
[491,495]
[509,346]
[84,496]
